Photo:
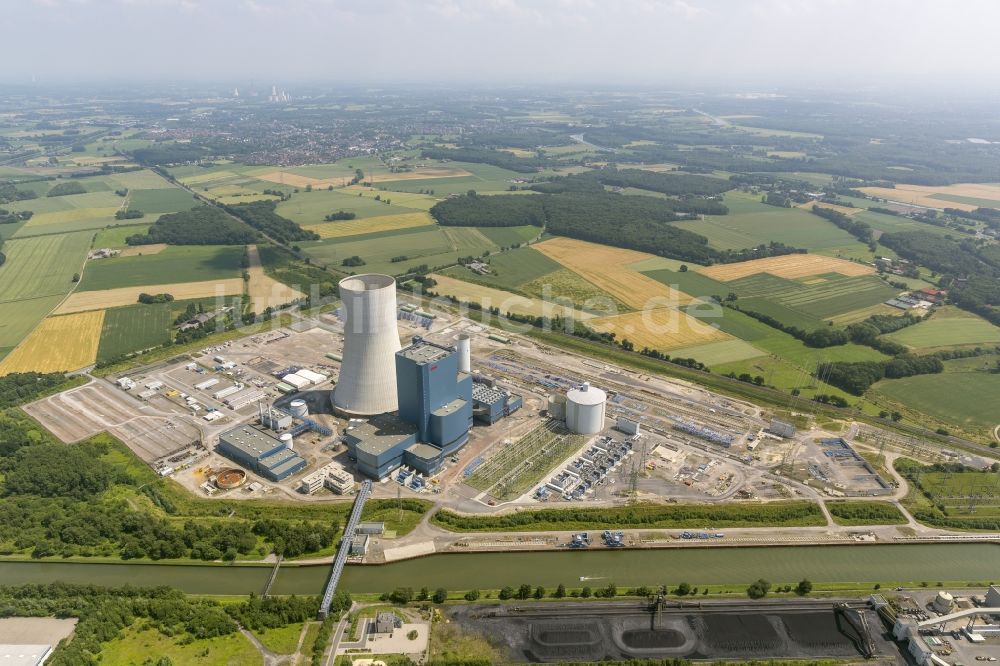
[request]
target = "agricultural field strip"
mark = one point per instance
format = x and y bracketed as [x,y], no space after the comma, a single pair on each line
[265,291]
[370,225]
[58,344]
[659,328]
[504,300]
[924,195]
[82,301]
[788,266]
[607,268]
[41,266]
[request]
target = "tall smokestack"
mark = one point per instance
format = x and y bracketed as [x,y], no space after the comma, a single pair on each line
[464,353]
[367,383]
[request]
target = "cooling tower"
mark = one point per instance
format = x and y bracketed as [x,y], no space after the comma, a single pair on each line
[367,383]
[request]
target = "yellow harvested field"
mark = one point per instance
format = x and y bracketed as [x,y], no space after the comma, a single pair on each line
[488,297]
[370,225]
[421,173]
[660,328]
[921,195]
[846,210]
[82,301]
[60,216]
[295,180]
[790,266]
[144,250]
[264,290]
[607,268]
[58,344]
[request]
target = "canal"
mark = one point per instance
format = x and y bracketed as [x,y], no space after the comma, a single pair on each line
[698,566]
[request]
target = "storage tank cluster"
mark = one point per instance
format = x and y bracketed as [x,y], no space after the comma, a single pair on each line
[585,409]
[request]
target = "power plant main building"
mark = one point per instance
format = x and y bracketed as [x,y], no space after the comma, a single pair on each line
[434,417]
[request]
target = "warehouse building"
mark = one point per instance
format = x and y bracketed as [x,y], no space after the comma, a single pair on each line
[434,417]
[259,451]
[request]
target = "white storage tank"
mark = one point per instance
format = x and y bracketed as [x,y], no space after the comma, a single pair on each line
[298,408]
[585,408]
[286,439]
[944,602]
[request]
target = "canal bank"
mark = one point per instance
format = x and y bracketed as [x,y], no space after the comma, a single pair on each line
[703,566]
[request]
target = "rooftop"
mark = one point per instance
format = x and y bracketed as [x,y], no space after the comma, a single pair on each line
[254,442]
[486,394]
[380,433]
[422,352]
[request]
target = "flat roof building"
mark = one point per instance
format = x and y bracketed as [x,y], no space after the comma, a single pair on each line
[490,404]
[261,452]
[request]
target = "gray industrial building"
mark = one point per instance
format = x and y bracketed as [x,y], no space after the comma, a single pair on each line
[259,451]
[434,417]
[490,404]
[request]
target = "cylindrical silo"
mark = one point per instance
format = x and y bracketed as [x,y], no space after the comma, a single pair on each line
[585,409]
[287,440]
[367,383]
[298,409]
[464,353]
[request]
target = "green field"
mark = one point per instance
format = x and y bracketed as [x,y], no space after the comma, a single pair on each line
[431,245]
[136,645]
[114,237]
[310,207]
[141,180]
[968,399]
[485,178]
[952,498]
[717,353]
[510,269]
[191,263]
[792,302]
[134,328]
[152,202]
[751,223]
[41,266]
[18,318]
[508,236]
[948,327]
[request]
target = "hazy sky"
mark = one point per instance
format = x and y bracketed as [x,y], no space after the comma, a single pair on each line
[761,42]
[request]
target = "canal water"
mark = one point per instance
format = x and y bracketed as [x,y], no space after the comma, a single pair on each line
[697,566]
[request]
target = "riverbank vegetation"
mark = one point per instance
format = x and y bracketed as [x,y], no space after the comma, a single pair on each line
[865,513]
[643,515]
[97,500]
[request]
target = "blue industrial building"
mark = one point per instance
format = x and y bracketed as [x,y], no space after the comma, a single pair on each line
[434,418]
[261,452]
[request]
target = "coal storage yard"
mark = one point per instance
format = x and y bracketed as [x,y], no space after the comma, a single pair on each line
[576,631]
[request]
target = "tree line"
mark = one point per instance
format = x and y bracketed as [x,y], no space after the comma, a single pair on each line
[202,225]
[637,515]
[633,222]
[497,158]
[262,216]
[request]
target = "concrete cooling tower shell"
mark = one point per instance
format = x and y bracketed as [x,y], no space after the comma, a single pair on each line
[367,383]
